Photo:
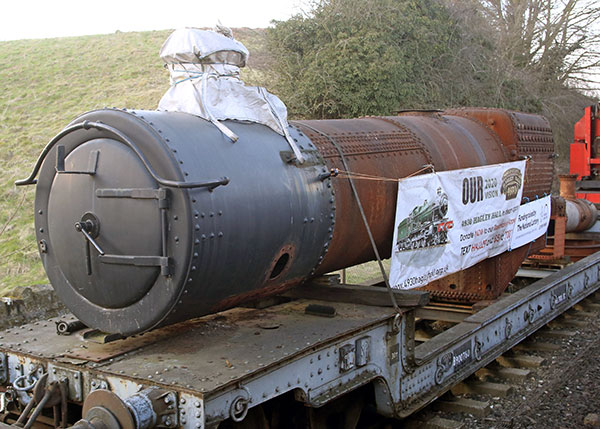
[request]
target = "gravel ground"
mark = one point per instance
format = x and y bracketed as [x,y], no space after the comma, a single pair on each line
[563,393]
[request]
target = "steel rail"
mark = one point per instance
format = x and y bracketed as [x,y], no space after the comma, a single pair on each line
[497,328]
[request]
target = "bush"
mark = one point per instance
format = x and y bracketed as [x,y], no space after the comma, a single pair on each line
[349,58]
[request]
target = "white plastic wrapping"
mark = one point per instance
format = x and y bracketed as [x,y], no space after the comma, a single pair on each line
[216,90]
[190,45]
[204,67]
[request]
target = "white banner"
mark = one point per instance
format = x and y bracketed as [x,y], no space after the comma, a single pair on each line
[449,221]
[532,222]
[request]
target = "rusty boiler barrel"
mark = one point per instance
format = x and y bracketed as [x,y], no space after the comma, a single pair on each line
[147,218]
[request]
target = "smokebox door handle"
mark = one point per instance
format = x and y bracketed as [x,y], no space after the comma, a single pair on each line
[60,162]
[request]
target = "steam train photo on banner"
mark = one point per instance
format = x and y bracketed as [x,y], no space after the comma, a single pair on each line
[426,225]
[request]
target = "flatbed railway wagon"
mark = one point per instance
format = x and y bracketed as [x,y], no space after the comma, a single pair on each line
[302,363]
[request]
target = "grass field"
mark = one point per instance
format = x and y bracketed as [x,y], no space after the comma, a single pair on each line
[44,84]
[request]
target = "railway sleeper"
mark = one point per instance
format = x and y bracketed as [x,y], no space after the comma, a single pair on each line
[480,388]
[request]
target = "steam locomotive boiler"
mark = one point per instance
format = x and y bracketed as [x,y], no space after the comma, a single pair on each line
[147,218]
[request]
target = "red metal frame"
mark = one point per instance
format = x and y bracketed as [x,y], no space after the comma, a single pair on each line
[584,158]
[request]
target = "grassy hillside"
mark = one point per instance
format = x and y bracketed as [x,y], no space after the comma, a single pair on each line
[44,84]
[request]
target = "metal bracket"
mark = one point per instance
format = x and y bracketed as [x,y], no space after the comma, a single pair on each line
[138,261]
[26,380]
[408,342]
[363,351]
[508,328]
[347,357]
[3,368]
[529,315]
[444,364]
[73,378]
[4,401]
[169,418]
[160,194]
[191,411]
[477,347]
[558,296]
[570,290]
[136,193]
[99,383]
[60,162]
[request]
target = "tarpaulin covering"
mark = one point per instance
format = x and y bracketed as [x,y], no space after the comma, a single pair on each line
[205,67]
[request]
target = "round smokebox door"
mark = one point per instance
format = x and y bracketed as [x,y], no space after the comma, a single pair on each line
[100,224]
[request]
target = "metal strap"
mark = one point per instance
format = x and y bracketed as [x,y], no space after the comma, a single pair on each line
[222,127]
[134,193]
[283,125]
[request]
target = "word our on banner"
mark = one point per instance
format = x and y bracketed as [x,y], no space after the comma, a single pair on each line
[532,222]
[451,220]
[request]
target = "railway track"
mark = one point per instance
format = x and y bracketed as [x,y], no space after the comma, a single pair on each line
[523,387]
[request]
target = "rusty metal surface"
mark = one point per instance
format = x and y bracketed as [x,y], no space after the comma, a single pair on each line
[395,147]
[371,146]
[204,354]
[523,135]
[273,226]
[581,214]
[567,185]
[390,147]
[554,248]
[571,247]
[109,401]
[570,216]
[483,281]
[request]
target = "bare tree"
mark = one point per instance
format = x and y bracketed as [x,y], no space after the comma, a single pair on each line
[558,39]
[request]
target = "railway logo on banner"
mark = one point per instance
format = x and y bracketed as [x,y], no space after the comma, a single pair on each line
[449,221]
